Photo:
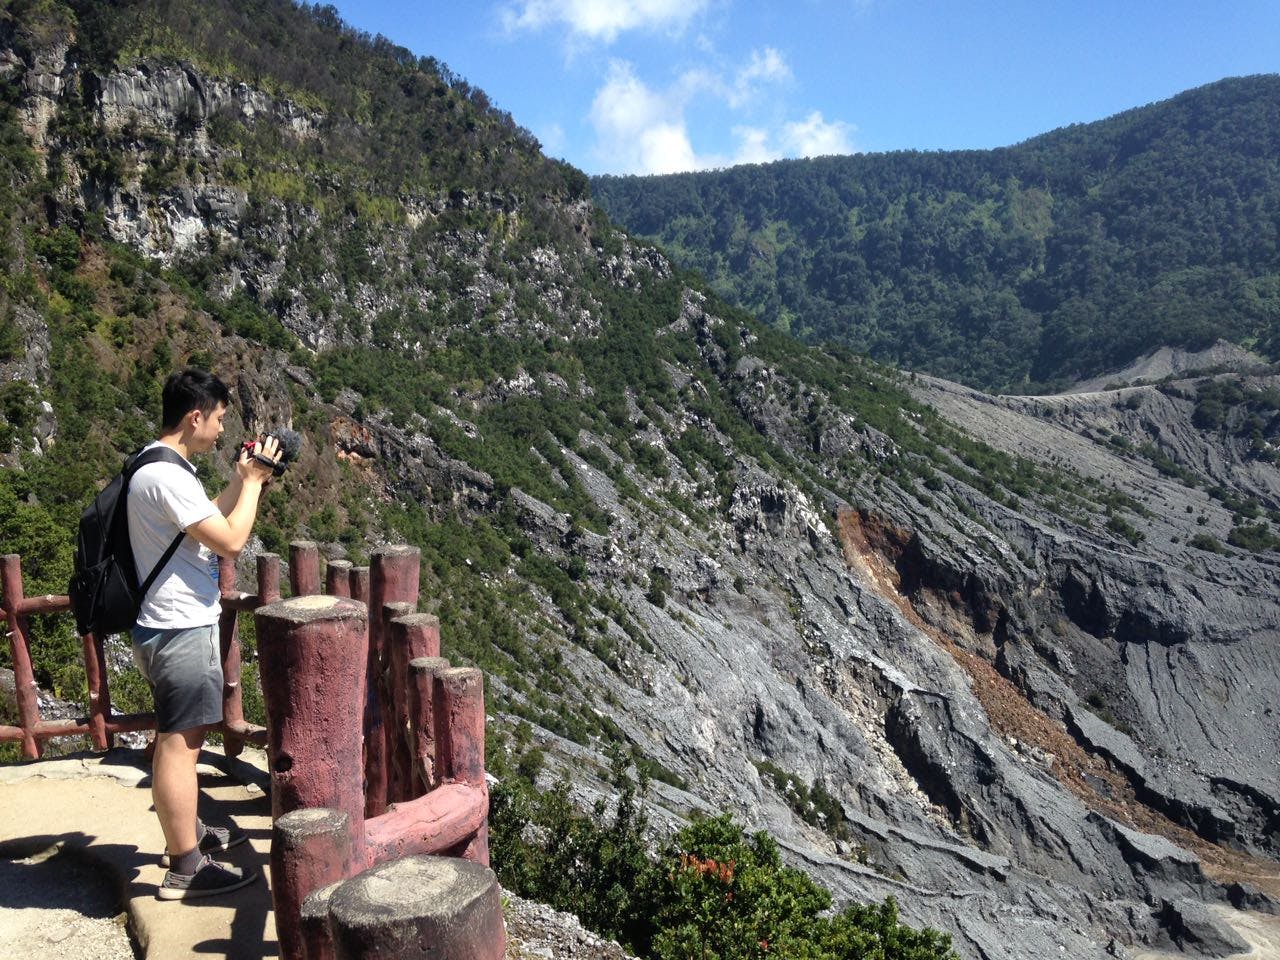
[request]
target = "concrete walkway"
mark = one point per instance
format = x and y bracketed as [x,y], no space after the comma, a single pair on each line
[100,805]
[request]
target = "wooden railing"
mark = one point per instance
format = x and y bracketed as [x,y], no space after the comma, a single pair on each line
[375,746]
[100,725]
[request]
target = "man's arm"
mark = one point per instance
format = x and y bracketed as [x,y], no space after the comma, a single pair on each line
[226,532]
[226,500]
[227,535]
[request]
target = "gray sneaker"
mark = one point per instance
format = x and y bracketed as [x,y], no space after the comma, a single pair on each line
[210,879]
[215,840]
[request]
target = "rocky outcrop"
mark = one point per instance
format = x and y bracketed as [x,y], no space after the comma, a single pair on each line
[179,99]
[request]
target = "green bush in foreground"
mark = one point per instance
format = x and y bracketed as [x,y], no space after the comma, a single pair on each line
[713,893]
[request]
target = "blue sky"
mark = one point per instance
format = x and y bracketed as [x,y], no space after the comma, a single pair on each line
[657,86]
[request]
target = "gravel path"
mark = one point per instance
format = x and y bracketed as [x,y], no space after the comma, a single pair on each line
[59,906]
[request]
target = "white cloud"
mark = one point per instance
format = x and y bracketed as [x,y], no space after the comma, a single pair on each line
[816,137]
[766,66]
[753,146]
[602,19]
[639,130]
[643,130]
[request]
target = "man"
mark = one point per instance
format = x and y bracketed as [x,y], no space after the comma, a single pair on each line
[175,642]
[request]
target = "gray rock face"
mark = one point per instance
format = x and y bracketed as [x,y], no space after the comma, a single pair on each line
[1191,928]
[165,98]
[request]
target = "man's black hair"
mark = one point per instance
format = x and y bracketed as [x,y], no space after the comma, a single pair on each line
[191,389]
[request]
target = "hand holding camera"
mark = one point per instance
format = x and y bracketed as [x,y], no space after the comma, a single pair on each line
[274,450]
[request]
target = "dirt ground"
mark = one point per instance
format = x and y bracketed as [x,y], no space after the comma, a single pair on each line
[79,849]
[56,905]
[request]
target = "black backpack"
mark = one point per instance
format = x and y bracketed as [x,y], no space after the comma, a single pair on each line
[105,593]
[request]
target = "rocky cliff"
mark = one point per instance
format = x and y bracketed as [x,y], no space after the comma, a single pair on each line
[979,623]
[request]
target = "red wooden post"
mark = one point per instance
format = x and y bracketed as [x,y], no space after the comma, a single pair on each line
[413,635]
[393,577]
[229,639]
[459,719]
[317,942]
[313,661]
[337,578]
[310,848]
[268,578]
[395,684]
[360,584]
[421,634]
[304,568]
[460,699]
[422,686]
[459,706]
[24,679]
[95,672]
[477,848]
[419,908]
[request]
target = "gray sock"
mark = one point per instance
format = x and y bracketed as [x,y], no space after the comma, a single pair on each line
[186,863]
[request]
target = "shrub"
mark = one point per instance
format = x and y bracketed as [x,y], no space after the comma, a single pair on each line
[1121,527]
[1205,541]
[713,892]
[1255,537]
[729,894]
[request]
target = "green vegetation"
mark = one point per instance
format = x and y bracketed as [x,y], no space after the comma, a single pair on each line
[406,123]
[814,804]
[712,889]
[1227,405]
[1207,542]
[1254,537]
[1011,269]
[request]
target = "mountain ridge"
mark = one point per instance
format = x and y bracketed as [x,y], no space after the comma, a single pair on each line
[1026,266]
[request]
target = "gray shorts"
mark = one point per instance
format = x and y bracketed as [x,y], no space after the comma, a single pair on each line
[185,673]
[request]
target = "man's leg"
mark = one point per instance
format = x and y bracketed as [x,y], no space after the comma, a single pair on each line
[175,789]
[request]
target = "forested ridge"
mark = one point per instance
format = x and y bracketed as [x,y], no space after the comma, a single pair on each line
[1021,268]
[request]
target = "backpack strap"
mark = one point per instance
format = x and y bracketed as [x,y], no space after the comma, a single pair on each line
[157,454]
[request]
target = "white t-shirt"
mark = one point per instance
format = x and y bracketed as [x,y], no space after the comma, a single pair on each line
[165,499]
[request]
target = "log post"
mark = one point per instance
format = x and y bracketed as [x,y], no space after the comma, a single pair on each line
[459,717]
[268,578]
[24,680]
[337,578]
[310,848]
[393,577]
[360,584]
[317,941]
[419,908]
[313,661]
[422,685]
[459,720]
[304,568]
[395,686]
[95,672]
[421,634]
[413,635]
[229,639]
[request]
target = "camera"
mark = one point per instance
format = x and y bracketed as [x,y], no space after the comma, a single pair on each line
[290,443]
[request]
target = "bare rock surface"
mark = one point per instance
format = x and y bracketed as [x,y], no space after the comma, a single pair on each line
[538,932]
